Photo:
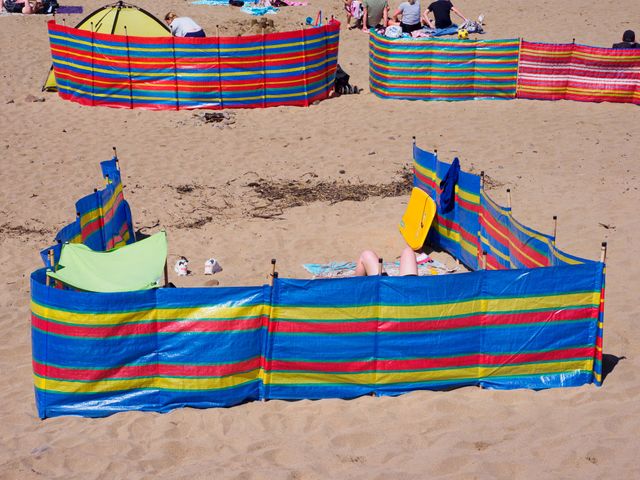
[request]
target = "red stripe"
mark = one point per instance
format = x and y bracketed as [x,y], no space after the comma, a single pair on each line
[389,326]
[427,363]
[133,371]
[490,220]
[148,328]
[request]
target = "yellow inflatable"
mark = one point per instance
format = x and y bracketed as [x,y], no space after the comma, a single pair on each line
[417,218]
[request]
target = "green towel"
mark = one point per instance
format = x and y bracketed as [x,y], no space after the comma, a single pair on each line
[138,266]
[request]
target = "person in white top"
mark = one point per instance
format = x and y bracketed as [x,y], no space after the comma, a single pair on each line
[183,26]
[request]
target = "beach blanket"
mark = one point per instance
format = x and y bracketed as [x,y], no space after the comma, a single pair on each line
[253,9]
[226,2]
[211,2]
[68,9]
[347,269]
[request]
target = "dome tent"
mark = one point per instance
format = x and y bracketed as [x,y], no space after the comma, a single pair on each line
[113,19]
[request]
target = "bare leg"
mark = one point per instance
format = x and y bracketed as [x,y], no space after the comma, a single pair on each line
[408,264]
[367,264]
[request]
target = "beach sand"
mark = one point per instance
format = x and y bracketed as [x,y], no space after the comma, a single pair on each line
[578,161]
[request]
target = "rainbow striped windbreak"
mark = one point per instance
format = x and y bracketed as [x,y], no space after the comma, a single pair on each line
[95,354]
[578,72]
[442,69]
[103,218]
[289,68]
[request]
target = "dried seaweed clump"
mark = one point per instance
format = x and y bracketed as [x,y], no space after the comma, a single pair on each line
[282,194]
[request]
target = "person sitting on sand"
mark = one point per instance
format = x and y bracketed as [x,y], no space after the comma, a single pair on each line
[375,14]
[441,10]
[628,40]
[183,26]
[369,264]
[408,14]
[24,7]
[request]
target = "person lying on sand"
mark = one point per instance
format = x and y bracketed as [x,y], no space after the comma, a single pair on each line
[369,264]
[183,26]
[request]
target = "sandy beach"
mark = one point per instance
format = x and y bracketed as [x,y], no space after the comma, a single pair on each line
[576,160]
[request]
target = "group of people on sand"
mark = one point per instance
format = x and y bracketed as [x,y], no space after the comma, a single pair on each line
[28,7]
[409,16]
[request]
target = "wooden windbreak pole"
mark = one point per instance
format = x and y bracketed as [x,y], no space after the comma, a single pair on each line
[326,58]
[115,157]
[175,72]
[518,66]
[51,259]
[380,266]
[603,252]
[482,180]
[166,272]
[555,228]
[93,56]
[509,199]
[126,34]
[264,71]
[219,68]
[274,274]
[484,259]
[304,64]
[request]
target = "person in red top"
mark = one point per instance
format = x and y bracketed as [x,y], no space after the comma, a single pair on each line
[441,10]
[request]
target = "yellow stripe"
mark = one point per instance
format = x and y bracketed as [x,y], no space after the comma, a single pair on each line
[469,307]
[195,313]
[371,378]
[170,383]
[293,378]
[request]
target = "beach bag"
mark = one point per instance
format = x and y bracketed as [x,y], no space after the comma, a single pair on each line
[357,9]
[236,3]
[393,31]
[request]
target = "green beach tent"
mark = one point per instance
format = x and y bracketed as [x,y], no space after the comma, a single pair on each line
[138,266]
[112,19]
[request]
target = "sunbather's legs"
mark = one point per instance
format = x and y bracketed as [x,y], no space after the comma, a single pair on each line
[367,264]
[408,264]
